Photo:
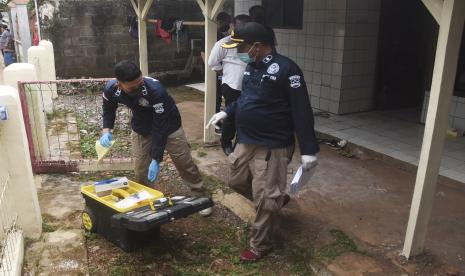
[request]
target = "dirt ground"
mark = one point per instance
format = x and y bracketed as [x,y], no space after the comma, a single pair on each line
[350,221]
[369,200]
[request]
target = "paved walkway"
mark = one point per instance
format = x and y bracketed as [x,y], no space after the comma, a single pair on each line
[395,134]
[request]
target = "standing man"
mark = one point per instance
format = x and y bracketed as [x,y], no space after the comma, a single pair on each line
[156,125]
[4,36]
[227,62]
[274,105]
[7,44]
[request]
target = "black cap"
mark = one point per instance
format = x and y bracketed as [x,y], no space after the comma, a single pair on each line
[249,33]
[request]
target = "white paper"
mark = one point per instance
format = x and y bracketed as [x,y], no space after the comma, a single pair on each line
[300,179]
[133,199]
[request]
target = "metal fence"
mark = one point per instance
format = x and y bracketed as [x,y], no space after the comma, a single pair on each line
[63,120]
[10,234]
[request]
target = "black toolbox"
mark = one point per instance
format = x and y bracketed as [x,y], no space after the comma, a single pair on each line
[132,227]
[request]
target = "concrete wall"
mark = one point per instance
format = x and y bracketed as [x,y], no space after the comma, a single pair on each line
[89,37]
[336,49]
[456,114]
[16,164]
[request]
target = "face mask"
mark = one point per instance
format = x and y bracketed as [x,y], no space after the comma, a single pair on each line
[245,57]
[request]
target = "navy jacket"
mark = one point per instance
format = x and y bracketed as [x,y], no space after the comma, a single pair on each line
[153,113]
[274,105]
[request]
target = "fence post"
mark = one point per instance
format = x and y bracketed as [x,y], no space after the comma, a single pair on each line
[49,61]
[27,72]
[16,163]
[37,56]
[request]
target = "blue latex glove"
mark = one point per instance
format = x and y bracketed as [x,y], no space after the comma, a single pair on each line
[105,140]
[154,169]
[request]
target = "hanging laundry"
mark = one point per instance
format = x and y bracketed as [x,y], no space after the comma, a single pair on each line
[178,24]
[162,32]
[133,28]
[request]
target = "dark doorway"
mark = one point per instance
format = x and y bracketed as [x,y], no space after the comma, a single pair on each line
[407,44]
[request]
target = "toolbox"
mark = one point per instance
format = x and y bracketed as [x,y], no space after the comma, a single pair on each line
[131,216]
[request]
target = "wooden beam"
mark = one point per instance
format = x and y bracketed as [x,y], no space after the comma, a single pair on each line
[210,76]
[143,56]
[216,8]
[450,35]
[185,23]
[146,8]
[134,5]
[434,7]
[202,6]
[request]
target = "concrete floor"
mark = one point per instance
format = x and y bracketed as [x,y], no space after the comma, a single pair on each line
[366,198]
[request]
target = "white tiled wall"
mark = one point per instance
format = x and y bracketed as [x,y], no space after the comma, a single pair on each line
[242,6]
[360,51]
[456,114]
[336,50]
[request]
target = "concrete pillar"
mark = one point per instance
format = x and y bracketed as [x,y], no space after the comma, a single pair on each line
[16,163]
[38,56]
[27,72]
[210,77]
[451,23]
[143,56]
[49,60]
[24,33]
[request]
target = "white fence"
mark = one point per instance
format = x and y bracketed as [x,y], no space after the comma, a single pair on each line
[11,237]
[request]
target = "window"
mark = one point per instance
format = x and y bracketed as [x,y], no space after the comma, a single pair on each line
[284,14]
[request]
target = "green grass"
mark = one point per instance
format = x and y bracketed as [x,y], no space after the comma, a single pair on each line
[342,244]
[47,226]
[201,153]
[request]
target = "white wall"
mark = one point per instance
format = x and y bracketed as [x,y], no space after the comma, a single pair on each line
[456,114]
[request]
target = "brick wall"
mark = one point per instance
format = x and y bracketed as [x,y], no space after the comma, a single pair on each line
[90,37]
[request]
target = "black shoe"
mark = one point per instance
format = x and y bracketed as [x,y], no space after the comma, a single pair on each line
[218,131]
[286,200]
[227,148]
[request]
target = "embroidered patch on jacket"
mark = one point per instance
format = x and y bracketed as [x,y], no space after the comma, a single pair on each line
[159,108]
[295,81]
[273,69]
[144,102]
[118,92]
[267,59]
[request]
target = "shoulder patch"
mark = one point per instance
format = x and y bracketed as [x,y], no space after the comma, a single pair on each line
[295,81]
[273,68]
[159,109]
[143,102]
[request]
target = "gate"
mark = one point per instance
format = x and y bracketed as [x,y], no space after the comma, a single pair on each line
[63,119]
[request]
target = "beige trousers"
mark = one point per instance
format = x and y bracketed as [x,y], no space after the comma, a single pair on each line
[261,174]
[180,152]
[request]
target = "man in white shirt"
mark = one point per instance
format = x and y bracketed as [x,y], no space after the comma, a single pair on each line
[227,61]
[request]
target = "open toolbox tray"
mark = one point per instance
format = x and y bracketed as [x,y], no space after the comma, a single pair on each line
[135,226]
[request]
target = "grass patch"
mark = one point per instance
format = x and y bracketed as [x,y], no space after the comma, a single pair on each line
[46,226]
[194,146]
[342,244]
[201,153]
[212,184]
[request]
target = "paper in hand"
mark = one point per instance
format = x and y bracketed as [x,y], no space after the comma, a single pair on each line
[300,179]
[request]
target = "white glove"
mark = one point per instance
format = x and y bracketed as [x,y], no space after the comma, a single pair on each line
[309,161]
[216,119]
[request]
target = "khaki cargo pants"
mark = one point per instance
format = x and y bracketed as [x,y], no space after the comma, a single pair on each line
[180,152]
[260,173]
